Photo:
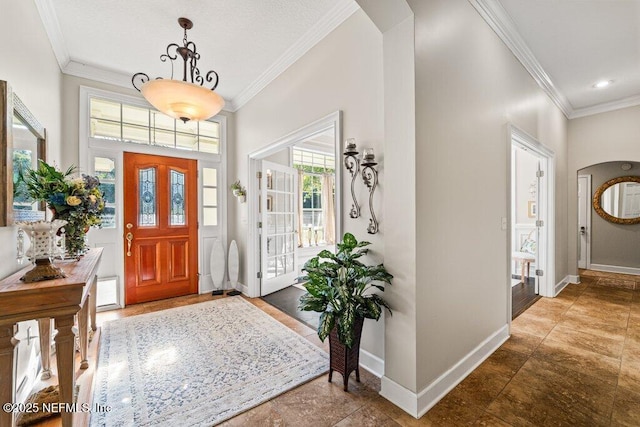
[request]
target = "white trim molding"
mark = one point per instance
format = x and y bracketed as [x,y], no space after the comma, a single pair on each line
[499,20]
[52,28]
[372,363]
[563,284]
[572,278]
[615,269]
[417,404]
[329,22]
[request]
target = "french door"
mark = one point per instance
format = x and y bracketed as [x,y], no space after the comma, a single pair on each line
[278,203]
[161,227]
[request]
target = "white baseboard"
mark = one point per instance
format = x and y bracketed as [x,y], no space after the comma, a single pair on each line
[372,363]
[573,279]
[560,286]
[417,404]
[615,269]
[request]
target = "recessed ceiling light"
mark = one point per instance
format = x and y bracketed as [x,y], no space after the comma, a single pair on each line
[602,83]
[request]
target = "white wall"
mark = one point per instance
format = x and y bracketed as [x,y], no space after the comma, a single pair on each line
[605,137]
[342,72]
[29,66]
[469,87]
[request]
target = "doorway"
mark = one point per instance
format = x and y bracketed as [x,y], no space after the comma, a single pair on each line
[294,205]
[584,221]
[161,217]
[531,268]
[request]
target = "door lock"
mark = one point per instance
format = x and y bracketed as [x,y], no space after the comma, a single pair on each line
[583,230]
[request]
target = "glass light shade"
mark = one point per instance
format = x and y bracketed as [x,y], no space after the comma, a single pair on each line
[182,100]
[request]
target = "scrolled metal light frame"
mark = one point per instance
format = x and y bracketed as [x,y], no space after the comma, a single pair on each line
[370,178]
[352,163]
[190,56]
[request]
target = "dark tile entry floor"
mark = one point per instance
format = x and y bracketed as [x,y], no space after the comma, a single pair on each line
[287,300]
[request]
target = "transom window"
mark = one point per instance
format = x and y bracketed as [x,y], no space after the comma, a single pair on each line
[118,121]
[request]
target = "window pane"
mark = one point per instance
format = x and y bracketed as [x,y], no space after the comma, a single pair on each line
[147,191]
[177,216]
[161,121]
[209,145]
[135,115]
[190,127]
[211,129]
[109,190]
[210,196]
[209,177]
[105,129]
[163,138]
[137,134]
[210,216]
[104,168]
[103,109]
[109,217]
[187,142]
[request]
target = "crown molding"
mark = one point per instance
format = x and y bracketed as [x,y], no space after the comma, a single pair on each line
[499,20]
[317,32]
[52,27]
[631,101]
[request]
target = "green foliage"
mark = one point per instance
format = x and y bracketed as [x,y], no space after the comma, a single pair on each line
[78,200]
[236,186]
[339,286]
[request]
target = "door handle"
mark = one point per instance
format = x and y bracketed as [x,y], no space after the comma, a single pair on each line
[129,237]
[583,230]
[129,240]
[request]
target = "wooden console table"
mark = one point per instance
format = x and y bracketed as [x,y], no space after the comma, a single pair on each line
[60,299]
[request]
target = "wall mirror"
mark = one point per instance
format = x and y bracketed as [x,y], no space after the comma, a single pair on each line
[618,200]
[22,144]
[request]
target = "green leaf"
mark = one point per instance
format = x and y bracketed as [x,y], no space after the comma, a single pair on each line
[349,241]
[325,325]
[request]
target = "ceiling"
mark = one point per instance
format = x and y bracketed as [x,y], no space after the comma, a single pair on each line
[247,42]
[566,45]
[569,45]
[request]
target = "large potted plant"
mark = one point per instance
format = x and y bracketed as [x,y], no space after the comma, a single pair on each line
[339,286]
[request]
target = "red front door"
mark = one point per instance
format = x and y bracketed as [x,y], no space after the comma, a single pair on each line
[161,227]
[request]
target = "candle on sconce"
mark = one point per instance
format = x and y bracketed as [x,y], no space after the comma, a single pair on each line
[367,155]
[350,145]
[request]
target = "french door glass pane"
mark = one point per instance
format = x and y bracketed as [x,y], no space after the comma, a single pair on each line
[147,191]
[177,216]
[210,216]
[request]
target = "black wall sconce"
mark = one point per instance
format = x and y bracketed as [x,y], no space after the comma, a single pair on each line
[352,163]
[370,178]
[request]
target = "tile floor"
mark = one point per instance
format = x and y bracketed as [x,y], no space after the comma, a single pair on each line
[572,360]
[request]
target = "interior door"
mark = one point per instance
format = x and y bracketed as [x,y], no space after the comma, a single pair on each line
[540,219]
[584,206]
[161,227]
[278,213]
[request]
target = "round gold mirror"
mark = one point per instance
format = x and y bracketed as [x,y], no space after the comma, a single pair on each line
[618,200]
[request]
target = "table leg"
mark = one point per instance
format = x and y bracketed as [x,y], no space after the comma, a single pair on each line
[65,358]
[83,327]
[44,327]
[522,276]
[92,303]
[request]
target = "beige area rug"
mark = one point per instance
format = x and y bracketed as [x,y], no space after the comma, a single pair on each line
[197,365]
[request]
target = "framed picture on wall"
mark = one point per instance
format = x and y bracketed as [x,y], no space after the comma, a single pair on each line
[531,209]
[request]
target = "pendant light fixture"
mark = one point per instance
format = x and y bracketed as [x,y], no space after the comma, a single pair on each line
[186,99]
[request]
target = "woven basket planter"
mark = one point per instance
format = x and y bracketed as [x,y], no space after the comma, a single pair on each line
[342,359]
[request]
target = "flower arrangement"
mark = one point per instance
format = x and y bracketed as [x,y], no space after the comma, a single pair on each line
[75,199]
